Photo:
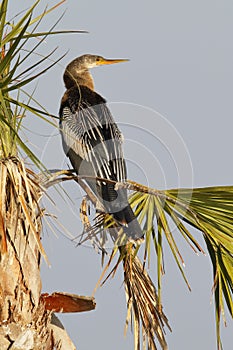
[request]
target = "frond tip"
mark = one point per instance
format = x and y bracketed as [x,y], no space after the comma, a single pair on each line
[143,306]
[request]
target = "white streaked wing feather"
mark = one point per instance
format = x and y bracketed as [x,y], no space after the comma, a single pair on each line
[83,132]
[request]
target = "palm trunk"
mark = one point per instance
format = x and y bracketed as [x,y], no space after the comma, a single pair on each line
[23,318]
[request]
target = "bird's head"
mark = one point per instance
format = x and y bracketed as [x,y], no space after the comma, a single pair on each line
[88,61]
[80,66]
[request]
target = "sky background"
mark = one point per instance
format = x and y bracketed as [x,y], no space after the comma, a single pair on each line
[173,103]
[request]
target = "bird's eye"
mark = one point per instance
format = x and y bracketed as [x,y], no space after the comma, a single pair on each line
[97,59]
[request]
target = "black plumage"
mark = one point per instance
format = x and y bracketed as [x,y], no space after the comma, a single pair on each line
[93,142]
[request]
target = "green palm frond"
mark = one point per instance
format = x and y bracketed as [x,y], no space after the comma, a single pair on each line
[17,45]
[209,210]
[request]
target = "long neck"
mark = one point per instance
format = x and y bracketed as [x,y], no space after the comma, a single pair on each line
[76,79]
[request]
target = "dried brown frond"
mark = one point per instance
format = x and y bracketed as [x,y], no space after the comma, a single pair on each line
[142,304]
[20,283]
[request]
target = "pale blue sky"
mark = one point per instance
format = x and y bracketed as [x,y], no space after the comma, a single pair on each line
[178,83]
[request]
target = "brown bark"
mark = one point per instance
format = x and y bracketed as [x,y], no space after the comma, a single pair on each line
[23,318]
[27,320]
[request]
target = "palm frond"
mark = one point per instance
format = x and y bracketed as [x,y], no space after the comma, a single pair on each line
[209,210]
[16,72]
[143,305]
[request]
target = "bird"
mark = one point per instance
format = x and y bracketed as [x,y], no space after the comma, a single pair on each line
[93,142]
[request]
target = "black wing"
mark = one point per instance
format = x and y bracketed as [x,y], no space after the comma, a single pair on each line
[93,143]
[92,140]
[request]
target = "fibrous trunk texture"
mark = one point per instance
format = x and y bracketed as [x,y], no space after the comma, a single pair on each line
[24,322]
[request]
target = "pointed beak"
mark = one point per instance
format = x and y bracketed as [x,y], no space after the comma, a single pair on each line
[112,61]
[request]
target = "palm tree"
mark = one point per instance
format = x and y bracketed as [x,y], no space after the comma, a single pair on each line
[26,316]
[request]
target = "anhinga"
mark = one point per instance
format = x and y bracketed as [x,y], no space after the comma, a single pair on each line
[93,142]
